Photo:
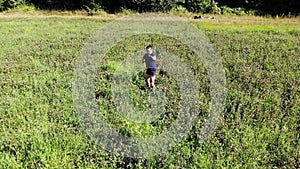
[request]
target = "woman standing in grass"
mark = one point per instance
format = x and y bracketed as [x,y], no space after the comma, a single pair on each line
[150,60]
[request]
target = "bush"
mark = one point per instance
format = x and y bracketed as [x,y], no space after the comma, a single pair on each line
[239,7]
[142,5]
[1,5]
[214,8]
[93,8]
[235,11]
[202,6]
[60,4]
[9,4]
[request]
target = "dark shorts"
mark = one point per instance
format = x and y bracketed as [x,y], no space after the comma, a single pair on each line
[151,71]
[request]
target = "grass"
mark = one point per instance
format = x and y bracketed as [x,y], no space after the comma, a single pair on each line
[39,128]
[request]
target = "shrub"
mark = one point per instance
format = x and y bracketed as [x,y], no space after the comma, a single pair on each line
[9,4]
[1,5]
[235,11]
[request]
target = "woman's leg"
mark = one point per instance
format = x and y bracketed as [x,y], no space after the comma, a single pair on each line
[152,79]
[147,78]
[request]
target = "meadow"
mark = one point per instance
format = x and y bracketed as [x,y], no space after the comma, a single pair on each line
[261,121]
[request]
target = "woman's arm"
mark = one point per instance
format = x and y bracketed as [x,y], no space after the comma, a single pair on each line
[143,59]
[154,57]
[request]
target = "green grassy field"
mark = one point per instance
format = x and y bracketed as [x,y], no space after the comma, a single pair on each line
[39,127]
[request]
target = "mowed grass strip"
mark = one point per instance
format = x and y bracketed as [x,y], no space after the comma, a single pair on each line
[39,127]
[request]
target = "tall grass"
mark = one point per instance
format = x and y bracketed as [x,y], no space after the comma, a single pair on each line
[39,128]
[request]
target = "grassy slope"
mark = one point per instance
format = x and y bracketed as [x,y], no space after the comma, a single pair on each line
[39,127]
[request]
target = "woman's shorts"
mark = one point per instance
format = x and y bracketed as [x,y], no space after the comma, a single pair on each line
[151,71]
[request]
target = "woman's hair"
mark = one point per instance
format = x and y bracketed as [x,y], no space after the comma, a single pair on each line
[149,46]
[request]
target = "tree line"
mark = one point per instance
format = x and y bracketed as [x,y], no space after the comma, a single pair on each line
[203,6]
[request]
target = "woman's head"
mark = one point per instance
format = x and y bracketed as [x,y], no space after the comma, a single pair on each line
[149,49]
